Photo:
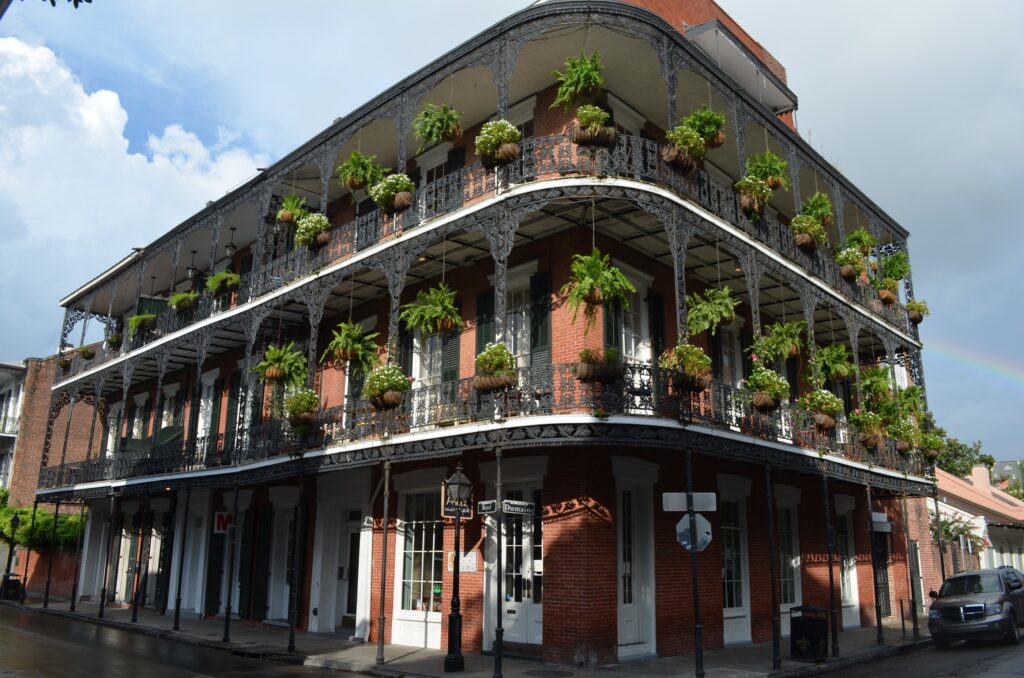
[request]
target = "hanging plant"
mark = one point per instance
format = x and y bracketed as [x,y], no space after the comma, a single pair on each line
[871,427]
[582,78]
[393,193]
[888,290]
[754,196]
[301,406]
[292,208]
[779,341]
[114,341]
[223,282]
[435,124]
[595,367]
[825,405]
[313,231]
[87,353]
[593,281]
[851,263]
[689,367]
[685,149]
[832,362]
[497,144]
[768,388]
[931,444]
[142,321]
[182,301]
[708,309]
[433,311]
[769,168]
[917,309]
[708,125]
[284,364]
[384,387]
[808,232]
[874,383]
[353,345]
[862,240]
[818,206]
[496,368]
[904,432]
[360,171]
[592,127]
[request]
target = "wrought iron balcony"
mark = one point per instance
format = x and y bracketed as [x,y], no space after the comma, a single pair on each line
[643,391]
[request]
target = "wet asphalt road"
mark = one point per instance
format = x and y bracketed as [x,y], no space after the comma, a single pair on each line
[963,660]
[34,644]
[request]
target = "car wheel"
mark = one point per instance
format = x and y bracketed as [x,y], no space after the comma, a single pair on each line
[940,644]
[1013,633]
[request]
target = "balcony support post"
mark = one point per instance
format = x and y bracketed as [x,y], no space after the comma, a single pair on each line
[395,265]
[500,75]
[879,636]
[97,399]
[739,120]
[162,356]
[181,557]
[839,204]
[501,235]
[326,163]
[381,619]
[106,556]
[216,225]
[232,570]
[830,544]
[298,548]
[794,176]
[809,300]
[752,272]
[67,432]
[139,552]
[315,296]
[78,554]
[252,323]
[262,197]
[202,344]
[52,554]
[910,573]
[679,235]
[667,62]
[773,569]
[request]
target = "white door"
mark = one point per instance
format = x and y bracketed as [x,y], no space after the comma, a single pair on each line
[789,564]
[735,577]
[280,564]
[523,585]
[348,573]
[848,571]
[635,589]
[419,558]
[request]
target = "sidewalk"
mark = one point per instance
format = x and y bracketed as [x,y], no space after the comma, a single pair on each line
[333,652]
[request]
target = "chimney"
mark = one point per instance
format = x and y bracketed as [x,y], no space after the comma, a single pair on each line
[980,477]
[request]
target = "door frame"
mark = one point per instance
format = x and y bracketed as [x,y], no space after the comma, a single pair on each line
[640,477]
[845,506]
[514,471]
[787,498]
[737,489]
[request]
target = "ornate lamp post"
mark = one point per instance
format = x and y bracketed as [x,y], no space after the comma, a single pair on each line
[458,489]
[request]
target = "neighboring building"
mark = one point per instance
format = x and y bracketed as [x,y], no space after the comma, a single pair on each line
[596,575]
[1011,471]
[12,384]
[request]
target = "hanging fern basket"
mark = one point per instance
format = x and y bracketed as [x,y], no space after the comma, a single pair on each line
[763,402]
[273,373]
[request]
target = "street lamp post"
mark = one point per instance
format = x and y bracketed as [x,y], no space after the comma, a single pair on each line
[458,489]
[15,521]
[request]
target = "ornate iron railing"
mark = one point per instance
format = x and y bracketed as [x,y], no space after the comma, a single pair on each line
[641,391]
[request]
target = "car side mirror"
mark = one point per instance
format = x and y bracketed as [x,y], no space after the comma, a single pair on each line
[933,595]
[1014,584]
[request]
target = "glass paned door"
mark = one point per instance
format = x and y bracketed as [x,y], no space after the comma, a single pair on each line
[736,608]
[523,585]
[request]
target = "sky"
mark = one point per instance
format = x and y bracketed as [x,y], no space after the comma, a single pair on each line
[120,119]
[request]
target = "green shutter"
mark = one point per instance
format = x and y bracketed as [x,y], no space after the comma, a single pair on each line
[484,319]
[234,389]
[746,339]
[218,386]
[656,323]
[715,351]
[405,350]
[613,320]
[540,318]
[450,356]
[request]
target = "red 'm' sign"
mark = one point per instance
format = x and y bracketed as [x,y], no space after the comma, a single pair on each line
[222,520]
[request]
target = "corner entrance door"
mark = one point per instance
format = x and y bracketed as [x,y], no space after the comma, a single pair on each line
[635,589]
[348,572]
[735,584]
[523,587]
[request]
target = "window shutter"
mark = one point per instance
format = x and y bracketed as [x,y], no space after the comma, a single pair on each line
[792,375]
[234,388]
[245,266]
[450,356]
[218,386]
[147,410]
[179,407]
[656,322]
[129,420]
[484,319]
[456,160]
[405,350]
[715,352]
[416,176]
[613,321]
[746,339]
[540,318]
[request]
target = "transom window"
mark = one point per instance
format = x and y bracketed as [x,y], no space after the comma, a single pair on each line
[423,553]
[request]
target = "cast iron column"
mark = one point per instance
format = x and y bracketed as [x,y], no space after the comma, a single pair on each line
[78,552]
[879,636]
[53,550]
[910,573]
[28,550]
[938,532]
[297,549]
[698,628]
[181,558]
[233,537]
[830,544]
[137,575]
[106,558]
[499,632]
[383,564]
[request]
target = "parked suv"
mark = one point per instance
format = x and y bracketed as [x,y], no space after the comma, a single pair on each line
[979,604]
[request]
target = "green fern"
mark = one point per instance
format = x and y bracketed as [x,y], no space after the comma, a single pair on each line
[708,309]
[433,311]
[594,281]
[355,345]
[289,360]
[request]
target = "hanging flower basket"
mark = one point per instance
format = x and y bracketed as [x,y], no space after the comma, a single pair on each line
[848,272]
[677,159]
[715,140]
[903,446]
[388,400]
[915,317]
[690,383]
[806,242]
[402,202]
[763,402]
[887,297]
[931,454]
[774,182]
[87,353]
[322,239]
[303,419]
[869,440]
[602,137]
[273,373]
[486,383]
[824,423]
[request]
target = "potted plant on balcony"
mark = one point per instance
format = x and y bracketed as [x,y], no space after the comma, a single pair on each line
[904,432]
[874,383]
[313,231]
[433,311]
[595,367]
[818,206]
[592,128]
[851,263]
[593,281]
[87,353]
[708,309]
[496,368]
[888,290]
[862,240]
[708,124]
[384,387]
[689,367]
[224,282]
[292,208]
[767,388]
[435,124]
[353,346]
[808,232]
[754,196]
[769,168]
[931,444]
[497,144]
[114,340]
[301,406]
[871,427]
[182,301]
[582,79]
[825,405]
[283,364]
[685,148]
[360,171]
[141,322]
[393,193]
[832,362]
[917,309]
[64,362]
[781,341]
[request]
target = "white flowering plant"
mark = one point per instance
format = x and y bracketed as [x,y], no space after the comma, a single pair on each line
[385,190]
[769,382]
[388,377]
[495,134]
[308,227]
[822,401]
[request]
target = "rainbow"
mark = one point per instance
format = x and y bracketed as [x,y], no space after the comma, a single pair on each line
[968,357]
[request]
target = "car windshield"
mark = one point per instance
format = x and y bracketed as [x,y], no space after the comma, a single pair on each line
[987,582]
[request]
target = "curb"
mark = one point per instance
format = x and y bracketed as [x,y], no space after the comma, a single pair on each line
[855,659]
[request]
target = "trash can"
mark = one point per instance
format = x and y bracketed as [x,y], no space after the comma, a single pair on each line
[808,633]
[11,589]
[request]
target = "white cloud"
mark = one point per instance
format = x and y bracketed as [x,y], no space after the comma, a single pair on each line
[73,200]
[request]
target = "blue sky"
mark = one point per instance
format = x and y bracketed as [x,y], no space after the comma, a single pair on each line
[119,119]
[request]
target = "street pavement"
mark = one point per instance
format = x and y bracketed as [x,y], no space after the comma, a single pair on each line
[33,644]
[988,660]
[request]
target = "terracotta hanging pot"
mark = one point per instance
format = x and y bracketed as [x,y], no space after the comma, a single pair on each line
[677,159]
[388,400]
[888,297]
[806,242]
[715,140]
[902,445]
[773,182]
[869,440]
[763,402]
[354,184]
[401,202]
[690,383]
[915,317]
[286,216]
[848,272]
[602,137]
[273,373]
[824,422]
